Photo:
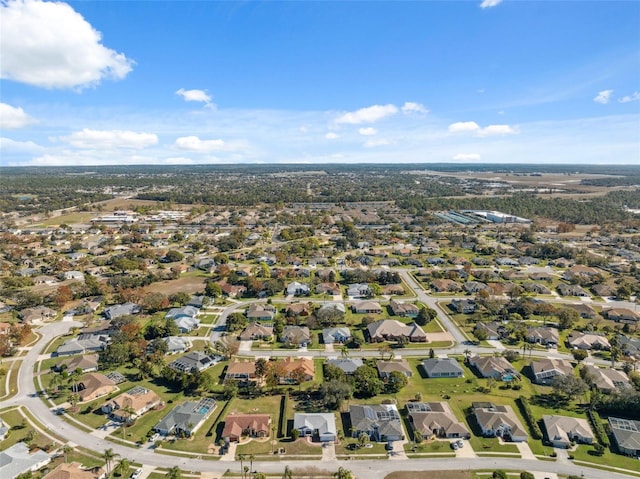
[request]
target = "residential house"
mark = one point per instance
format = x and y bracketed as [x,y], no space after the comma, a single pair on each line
[359,290]
[385,368]
[442,368]
[494,367]
[466,305]
[494,330]
[332,289]
[86,364]
[629,346]
[5,328]
[73,275]
[544,370]
[626,435]
[298,309]
[622,315]
[513,275]
[297,289]
[584,310]
[261,312]
[562,431]
[603,290]
[132,404]
[499,421]
[445,286]
[83,344]
[118,310]
[542,335]
[4,429]
[197,302]
[541,276]
[93,386]
[435,419]
[241,370]
[606,380]
[232,290]
[348,365]
[194,361]
[186,324]
[43,279]
[578,340]
[183,312]
[17,460]
[296,336]
[257,331]
[572,290]
[75,470]
[320,425]
[392,289]
[336,335]
[176,344]
[474,286]
[37,314]
[186,418]
[380,422]
[366,307]
[406,310]
[391,330]
[291,370]
[248,425]
[580,272]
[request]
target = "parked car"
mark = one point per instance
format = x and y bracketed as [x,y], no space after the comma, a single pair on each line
[136,473]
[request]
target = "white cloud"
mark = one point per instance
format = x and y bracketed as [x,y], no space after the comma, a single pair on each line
[331,136]
[193,143]
[497,130]
[463,126]
[603,97]
[370,114]
[466,157]
[629,98]
[369,131]
[473,127]
[200,96]
[490,3]
[97,139]
[373,143]
[412,107]
[50,45]
[7,144]
[12,117]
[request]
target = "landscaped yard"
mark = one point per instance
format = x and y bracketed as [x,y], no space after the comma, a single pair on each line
[292,448]
[609,459]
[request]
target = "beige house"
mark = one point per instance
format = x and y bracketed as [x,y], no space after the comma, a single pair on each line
[390,330]
[563,430]
[435,419]
[132,404]
[252,425]
[95,385]
[606,380]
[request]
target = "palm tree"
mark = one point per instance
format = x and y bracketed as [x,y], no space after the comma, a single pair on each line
[174,473]
[467,353]
[123,466]
[108,456]
[251,458]
[343,474]
[288,473]
[127,412]
[74,398]
[66,449]
[259,475]
[245,470]
[241,459]
[344,352]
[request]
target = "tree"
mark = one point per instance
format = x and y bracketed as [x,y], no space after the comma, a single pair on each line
[568,387]
[579,354]
[288,473]
[227,346]
[123,467]
[213,289]
[363,439]
[66,449]
[173,256]
[174,473]
[425,315]
[237,321]
[567,317]
[395,382]
[343,473]
[334,391]
[366,381]
[108,457]
[230,389]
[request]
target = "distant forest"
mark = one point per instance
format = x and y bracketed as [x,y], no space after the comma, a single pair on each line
[41,189]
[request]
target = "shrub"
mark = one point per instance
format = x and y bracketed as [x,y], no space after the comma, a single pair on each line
[527,475]
[598,428]
[528,415]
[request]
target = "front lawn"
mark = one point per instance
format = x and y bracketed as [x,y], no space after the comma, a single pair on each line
[610,459]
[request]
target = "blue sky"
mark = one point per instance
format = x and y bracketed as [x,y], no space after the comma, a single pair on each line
[149,82]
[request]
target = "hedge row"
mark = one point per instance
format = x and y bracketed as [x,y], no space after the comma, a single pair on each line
[282,426]
[598,428]
[528,416]
[221,415]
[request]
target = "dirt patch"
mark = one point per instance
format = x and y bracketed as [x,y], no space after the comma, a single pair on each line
[189,284]
[429,475]
[130,203]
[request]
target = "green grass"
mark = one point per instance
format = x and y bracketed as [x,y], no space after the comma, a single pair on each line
[429,446]
[293,448]
[341,449]
[490,444]
[607,459]
[17,433]
[200,441]
[12,372]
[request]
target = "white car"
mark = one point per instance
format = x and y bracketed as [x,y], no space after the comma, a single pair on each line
[136,473]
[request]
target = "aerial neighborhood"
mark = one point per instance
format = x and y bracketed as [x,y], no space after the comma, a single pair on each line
[325,331]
